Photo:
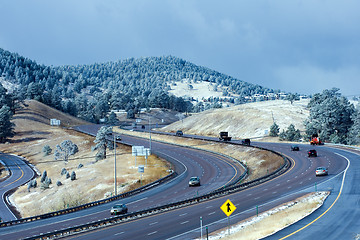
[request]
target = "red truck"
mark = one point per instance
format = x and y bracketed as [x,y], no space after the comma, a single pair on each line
[315,140]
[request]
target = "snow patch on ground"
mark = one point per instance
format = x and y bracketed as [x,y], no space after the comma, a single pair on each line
[318,198]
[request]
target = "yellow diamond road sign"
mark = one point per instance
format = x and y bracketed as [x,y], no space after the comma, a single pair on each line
[228,207]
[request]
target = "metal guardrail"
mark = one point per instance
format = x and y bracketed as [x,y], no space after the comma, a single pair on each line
[127,217]
[156,210]
[88,205]
[167,207]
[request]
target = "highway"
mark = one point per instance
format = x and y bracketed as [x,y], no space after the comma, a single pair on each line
[184,223]
[215,172]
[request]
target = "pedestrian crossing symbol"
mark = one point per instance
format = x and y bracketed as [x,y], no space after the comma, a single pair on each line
[228,207]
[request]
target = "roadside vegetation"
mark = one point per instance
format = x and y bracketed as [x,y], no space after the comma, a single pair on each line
[61,184]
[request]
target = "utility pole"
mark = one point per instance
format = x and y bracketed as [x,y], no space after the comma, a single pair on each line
[115,165]
[150,134]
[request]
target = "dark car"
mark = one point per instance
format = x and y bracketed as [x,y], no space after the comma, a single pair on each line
[312,153]
[194,181]
[119,209]
[295,148]
[118,137]
[246,141]
[179,133]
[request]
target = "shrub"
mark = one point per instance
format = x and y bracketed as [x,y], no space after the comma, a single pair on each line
[63,171]
[58,183]
[80,165]
[73,176]
[43,176]
[48,180]
[44,185]
[46,150]
[67,175]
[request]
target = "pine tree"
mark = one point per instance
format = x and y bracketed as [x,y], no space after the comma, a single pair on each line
[6,126]
[65,150]
[103,142]
[274,130]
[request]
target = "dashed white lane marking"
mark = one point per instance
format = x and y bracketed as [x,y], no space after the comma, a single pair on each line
[153,223]
[119,233]
[182,214]
[136,201]
[184,222]
[211,213]
[152,233]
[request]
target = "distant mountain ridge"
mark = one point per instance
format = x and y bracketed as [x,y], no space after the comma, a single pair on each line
[91,91]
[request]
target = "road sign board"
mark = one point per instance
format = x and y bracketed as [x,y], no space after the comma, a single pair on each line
[228,207]
[138,151]
[141,168]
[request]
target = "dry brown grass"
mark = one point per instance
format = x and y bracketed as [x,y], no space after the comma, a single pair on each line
[244,121]
[94,181]
[3,172]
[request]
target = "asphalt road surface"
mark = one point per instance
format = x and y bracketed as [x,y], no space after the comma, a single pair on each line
[20,173]
[337,219]
[184,223]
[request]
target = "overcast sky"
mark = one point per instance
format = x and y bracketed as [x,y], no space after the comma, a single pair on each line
[295,46]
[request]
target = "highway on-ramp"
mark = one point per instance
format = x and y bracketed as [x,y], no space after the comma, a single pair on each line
[20,173]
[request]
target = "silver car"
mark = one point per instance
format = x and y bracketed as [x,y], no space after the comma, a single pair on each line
[118,209]
[194,181]
[321,171]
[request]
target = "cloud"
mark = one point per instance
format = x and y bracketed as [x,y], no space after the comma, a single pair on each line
[310,79]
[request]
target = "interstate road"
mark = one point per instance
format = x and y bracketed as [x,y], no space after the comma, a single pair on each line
[184,223]
[215,172]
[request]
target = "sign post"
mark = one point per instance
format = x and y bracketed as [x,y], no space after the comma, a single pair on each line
[228,208]
[141,171]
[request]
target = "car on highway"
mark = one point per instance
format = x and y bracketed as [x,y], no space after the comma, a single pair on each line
[179,133]
[194,181]
[118,209]
[295,148]
[118,137]
[321,171]
[246,141]
[312,153]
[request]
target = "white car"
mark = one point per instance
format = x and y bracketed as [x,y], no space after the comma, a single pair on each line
[321,171]
[194,181]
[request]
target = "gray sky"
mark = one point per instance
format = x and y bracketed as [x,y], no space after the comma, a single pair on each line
[297,46]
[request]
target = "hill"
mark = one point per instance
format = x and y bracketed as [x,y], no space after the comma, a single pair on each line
[91,91]
[249,120]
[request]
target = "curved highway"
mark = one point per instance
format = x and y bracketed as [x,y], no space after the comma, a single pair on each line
[215,172]
[20,173]
[184,223]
